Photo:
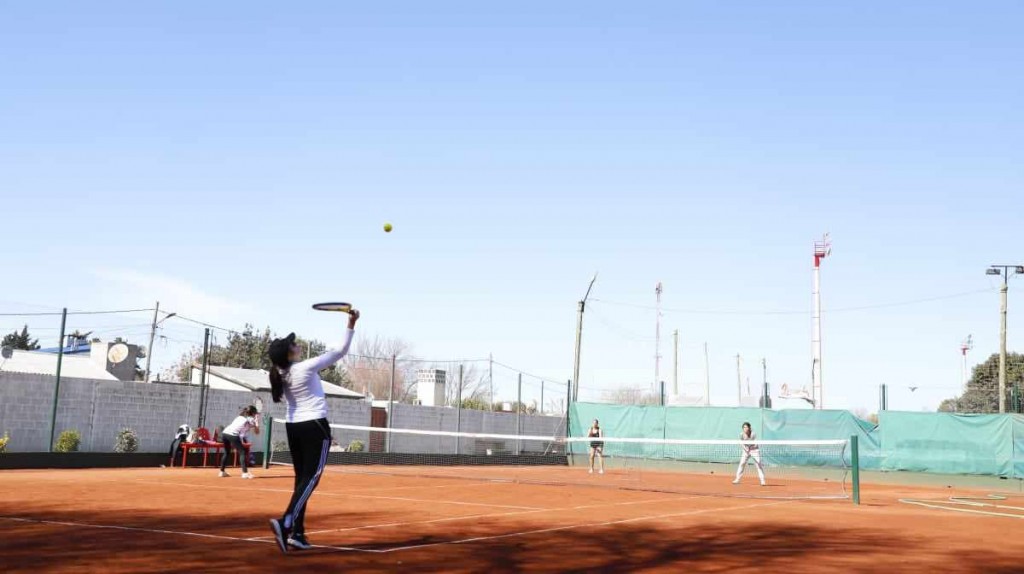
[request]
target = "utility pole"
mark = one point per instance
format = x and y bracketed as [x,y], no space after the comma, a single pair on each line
[490,377]
[707,378]
[657,337]
[822,250]
[675,362]
[1003,270]
[739,381]
[579,341]
[152,337]
[965,347]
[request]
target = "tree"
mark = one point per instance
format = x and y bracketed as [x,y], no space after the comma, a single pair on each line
[474,384]
[982,392]
[633,396]
[21,341]
[248,349]
[368,368]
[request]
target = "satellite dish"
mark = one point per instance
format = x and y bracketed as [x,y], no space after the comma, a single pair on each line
[7,352]
[117,353]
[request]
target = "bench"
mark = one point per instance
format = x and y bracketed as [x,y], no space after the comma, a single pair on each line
[205,443]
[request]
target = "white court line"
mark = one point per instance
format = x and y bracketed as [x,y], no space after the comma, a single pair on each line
[942,505]
[494,515]
[588,525]
[462,485]
[159,531]
[348,495]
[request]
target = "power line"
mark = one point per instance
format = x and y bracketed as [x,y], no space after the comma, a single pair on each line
[791,312]
[58,313]
[198,322]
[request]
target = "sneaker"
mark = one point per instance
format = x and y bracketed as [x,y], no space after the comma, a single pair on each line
[224,474]
[280,534]
[764,484]
[248,475]
[600,471]
[737,481]
[299,542]
[591,471]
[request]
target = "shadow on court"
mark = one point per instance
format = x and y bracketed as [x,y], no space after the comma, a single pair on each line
[718,543]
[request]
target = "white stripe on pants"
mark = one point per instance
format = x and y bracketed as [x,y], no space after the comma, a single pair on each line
[747,455]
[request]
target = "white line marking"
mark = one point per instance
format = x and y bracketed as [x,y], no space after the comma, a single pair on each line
[350,495]
[159,531]
[588,525]
[495,515]
[944,505]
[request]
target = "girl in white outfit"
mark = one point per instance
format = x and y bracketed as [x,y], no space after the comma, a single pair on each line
[750,451]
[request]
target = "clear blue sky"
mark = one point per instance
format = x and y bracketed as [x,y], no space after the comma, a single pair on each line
[237,160]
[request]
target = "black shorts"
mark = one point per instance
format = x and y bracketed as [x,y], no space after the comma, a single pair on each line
[597,445]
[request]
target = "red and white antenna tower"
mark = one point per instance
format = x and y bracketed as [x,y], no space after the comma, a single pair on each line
[822,249]
[965,347]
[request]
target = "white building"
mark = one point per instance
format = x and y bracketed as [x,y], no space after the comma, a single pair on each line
[104,361]
[430,387]
[251,380]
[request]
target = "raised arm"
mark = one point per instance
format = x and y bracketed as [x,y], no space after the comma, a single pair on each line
[336,354]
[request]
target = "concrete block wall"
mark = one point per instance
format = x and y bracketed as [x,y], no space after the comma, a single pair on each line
[472,421]
[98,410]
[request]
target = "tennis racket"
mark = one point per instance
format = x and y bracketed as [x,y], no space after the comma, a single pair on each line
[336,307]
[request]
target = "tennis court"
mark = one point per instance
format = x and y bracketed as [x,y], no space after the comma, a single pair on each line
[367,519]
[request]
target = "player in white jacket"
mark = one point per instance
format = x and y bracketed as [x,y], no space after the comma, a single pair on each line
[750,451]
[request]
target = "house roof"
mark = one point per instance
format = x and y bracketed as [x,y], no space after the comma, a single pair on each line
[259,380]
[40,363]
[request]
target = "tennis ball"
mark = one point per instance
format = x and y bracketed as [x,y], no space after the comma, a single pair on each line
[387,228]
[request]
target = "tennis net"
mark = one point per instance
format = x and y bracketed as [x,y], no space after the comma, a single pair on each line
[792,468]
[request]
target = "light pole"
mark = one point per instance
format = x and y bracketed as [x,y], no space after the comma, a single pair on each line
[579,341]
[1003,270]
[152,337]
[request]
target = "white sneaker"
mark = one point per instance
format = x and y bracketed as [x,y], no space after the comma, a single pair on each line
[224,474]
[248,476]
[737,481]
[764,484]
[600,471]
[591,471]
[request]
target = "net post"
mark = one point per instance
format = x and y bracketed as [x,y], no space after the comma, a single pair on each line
[268,423]
[458,416]
[568,427]
[855,471]
[519,413]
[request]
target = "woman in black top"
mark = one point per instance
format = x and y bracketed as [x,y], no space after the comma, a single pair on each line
[596,447]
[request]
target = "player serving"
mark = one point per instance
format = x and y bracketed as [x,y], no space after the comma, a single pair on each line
[596,447]
[309,434]
[750,451]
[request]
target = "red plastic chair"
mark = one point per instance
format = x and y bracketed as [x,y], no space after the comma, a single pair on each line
[203,442]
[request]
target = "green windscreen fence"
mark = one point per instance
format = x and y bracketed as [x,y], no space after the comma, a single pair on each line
[951,444]
[722,423]
[902,441]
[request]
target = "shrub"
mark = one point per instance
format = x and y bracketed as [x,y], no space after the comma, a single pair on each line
[68,441]
[3,442]
[355,446]
[127,441]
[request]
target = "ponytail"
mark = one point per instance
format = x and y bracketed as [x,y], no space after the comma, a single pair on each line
[276,384]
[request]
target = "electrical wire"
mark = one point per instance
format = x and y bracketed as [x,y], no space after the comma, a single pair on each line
[790,312]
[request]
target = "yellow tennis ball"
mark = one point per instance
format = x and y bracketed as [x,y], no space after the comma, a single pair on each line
[387,228]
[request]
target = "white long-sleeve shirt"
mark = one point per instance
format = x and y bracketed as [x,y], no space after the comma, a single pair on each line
[751,448]
[304,391]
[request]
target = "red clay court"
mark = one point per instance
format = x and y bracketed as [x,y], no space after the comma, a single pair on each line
[173,520]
